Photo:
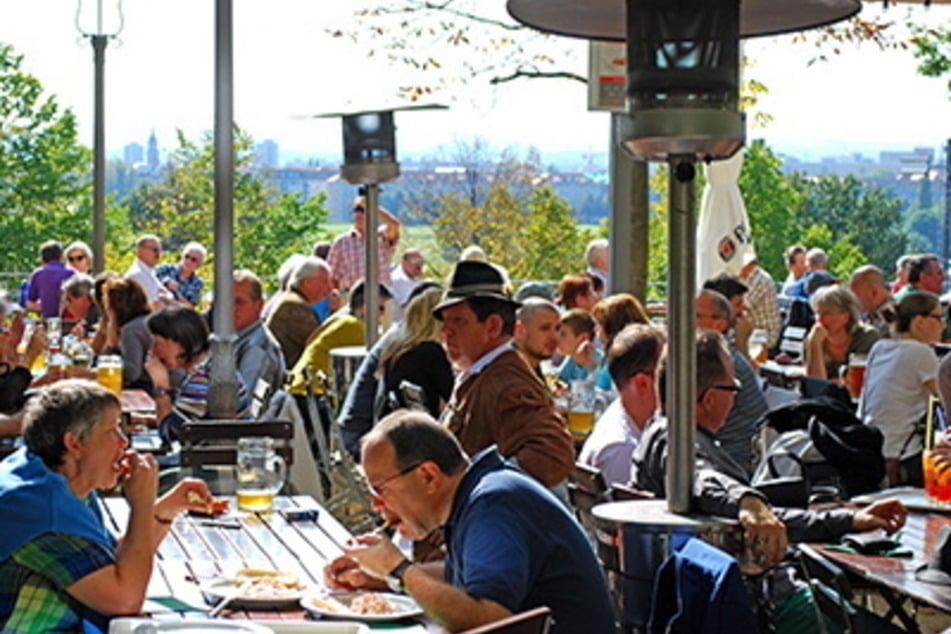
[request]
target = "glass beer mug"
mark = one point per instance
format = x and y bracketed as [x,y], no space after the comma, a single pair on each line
[936,456]
[260,473]
[581,399]
[109,372]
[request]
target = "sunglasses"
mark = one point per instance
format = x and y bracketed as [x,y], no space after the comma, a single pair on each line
[76,258]
[735,387]
[192,258]
[359,209]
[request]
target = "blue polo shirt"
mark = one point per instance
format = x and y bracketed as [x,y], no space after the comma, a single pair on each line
[510,541]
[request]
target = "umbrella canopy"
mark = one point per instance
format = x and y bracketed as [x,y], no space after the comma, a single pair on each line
[724,240]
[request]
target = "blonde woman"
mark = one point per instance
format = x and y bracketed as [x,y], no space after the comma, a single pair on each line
[836,334]
[416,355]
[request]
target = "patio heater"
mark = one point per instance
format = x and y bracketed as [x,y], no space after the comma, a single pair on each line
[369,158]
[98,32]
[682,101]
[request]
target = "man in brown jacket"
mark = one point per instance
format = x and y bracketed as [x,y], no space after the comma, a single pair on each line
[498,399]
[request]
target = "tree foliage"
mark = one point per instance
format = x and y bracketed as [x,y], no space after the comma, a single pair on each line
[932,48]
[864,215]
[45,191]
[268,226]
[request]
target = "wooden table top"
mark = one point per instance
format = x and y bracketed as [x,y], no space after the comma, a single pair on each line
[200,549]
[898,573]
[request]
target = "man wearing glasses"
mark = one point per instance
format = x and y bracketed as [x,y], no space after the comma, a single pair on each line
[715,313]
[346,257]
[148,251]
[510,545]
[182,279]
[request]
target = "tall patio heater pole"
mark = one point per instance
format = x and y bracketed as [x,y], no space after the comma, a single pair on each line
[223,391]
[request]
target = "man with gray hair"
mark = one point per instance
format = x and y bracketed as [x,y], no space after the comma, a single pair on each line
[80,314]
[536,331]
[817,274]
[148,252]
[182,279]
[598,256]
[293,321]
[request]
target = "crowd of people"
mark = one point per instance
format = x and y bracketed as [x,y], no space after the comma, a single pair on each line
[457,413]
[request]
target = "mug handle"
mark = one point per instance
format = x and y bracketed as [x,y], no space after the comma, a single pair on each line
[281,469]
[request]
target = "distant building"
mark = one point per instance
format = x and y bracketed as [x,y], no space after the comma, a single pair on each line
[133,153]
[153,155]
[266,154]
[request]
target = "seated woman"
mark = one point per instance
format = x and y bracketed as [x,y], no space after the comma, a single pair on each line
[900,375]
[59,564]
[126,306]
[836,334]
[180,342]
[414,354]
[613,314]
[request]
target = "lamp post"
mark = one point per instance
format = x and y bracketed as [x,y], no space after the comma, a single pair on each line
[99,35]
[682,102]
[369,158]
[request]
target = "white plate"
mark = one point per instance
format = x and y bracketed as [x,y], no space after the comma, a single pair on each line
[218,589]
[188,626]
[315,627]
[403,607]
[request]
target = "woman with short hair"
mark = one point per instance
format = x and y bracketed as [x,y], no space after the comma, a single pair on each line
[836,334]
[900,375]
[60,567]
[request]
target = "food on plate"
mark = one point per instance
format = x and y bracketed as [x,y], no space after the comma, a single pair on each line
[371,603]
[329,604]
[267,584]
[214,506]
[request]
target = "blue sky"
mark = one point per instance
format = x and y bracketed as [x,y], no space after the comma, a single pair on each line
[160,75]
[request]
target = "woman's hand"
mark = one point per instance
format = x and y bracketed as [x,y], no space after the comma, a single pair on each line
[818,334]
[191,494]
[141,478]
[157,371]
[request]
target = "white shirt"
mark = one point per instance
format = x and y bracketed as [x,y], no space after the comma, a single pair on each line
[145,275]
[483,361]
[401,285]
[895,397]
[610,447]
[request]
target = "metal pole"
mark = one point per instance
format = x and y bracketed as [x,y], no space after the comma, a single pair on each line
[223,391]
[99,43]
[629,218]
[681,333]
[371,287]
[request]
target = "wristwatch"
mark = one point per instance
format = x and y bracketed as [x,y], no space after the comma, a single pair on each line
[395,578]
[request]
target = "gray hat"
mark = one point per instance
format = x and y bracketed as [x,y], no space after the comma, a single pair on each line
[472,279]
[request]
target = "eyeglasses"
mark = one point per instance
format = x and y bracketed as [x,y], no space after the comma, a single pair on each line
[76,258]
[377,490]
[193,258]
[359,209]
[939,316]
[735,387]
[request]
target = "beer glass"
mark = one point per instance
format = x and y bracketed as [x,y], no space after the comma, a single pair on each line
[54,334]
[855,375]
[109,372]
[581,409]
[260,473]
[936,457]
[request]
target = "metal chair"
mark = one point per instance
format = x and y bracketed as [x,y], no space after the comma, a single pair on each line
[831,591]
[534,621]
[586,489]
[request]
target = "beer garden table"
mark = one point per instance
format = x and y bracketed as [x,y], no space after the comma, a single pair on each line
[202,548]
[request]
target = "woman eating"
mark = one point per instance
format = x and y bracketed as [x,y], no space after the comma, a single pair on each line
[836,334]
[60,567]
[900,375]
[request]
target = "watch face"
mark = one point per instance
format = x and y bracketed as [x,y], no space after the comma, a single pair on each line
[396,584]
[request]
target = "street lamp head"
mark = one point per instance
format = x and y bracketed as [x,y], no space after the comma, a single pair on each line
[99,18]
[682,61]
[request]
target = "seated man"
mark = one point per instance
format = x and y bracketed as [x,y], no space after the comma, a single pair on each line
[292,320]
[632,360]
[511,546]
[257,352]
[721,487]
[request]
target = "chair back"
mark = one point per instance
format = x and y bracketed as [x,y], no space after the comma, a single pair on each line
[586,489]
[215,442]
[621,492]
[831,590]
[534,621]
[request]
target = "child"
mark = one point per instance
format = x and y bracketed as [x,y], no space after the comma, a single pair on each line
[575,335]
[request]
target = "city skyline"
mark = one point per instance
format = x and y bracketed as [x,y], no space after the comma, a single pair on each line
[160,77]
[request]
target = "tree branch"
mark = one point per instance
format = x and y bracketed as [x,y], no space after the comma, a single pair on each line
[537,74]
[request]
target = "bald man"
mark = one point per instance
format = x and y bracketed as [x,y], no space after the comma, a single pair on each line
[870,288]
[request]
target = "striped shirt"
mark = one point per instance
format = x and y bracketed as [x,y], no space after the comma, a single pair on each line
[191,401]
[348,262]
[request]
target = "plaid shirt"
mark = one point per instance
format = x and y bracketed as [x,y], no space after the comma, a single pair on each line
[34,579]
[763,305]
[347,260]
[189,288]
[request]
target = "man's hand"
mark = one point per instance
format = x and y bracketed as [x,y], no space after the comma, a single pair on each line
[886,514]
[765,533]
[375,554]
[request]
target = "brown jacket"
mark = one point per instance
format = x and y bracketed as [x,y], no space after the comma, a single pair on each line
[292,322]
[507,405]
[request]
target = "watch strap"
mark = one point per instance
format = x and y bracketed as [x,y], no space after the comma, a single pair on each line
[395,578]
